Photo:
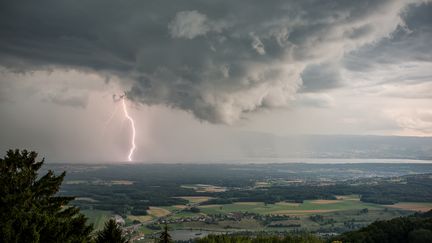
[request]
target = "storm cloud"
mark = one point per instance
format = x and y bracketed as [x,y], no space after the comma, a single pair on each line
[215,59]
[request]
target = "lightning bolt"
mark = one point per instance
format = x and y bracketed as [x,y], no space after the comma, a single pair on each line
[132,123]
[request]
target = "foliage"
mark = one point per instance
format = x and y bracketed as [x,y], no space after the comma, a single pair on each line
[217,201]
[30,211]
[416,228]
[194,210]
[416,189]
[161,185]
[139,210]
[165,237]
[111,233]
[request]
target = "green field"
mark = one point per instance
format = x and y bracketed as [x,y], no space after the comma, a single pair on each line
[307,207]
[336,214]
[97,217]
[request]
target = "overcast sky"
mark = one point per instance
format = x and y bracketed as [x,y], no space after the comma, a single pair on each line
[197,74]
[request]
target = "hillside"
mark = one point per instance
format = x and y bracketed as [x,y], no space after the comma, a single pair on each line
[416,228]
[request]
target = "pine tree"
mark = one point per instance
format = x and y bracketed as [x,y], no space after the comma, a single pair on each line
[111,233]
[29,209]
[165,237]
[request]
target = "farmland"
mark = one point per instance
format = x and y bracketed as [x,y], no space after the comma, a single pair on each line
[203,199]
[97,217]
[347,212]
[307,207]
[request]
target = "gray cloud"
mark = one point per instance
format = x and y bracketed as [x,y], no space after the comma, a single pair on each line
[190,24]
[409,42]
[78,101]
[320,77]
[217,60]
[314,100]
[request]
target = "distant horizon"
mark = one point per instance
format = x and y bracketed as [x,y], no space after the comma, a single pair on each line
[304,148]
[270,161]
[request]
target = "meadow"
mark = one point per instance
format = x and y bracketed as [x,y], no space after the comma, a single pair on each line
[286,208]
[347,212]
[251,198]
[97,217]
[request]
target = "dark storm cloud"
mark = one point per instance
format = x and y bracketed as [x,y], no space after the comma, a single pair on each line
[216,59]
[409,42]
[321,77]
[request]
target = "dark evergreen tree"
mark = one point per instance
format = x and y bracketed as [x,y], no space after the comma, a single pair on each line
[420,236]
[416,228]
[29,209]
[165,237]
[111,233]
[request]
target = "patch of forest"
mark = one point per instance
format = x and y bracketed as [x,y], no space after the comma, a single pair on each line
[136,197]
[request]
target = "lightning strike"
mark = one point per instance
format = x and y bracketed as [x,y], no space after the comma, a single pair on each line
[133,146]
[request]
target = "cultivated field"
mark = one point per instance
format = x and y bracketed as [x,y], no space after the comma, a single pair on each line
[412,206]
[158,212]
[97,217]
[195,199]
[143,218]
[286,208]
[205,188]
[334,214]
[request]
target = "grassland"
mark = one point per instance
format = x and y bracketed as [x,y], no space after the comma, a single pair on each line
[141,218]
[413,206]
[97,217]
[335,214]
[158,212]
[196,199]
[284,208]
[205,188]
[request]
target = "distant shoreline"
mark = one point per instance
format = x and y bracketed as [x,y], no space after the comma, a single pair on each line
[264,161]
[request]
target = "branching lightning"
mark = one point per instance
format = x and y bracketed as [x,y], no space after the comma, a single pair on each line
[132,123]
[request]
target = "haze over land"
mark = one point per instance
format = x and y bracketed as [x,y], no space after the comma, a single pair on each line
[207,81]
